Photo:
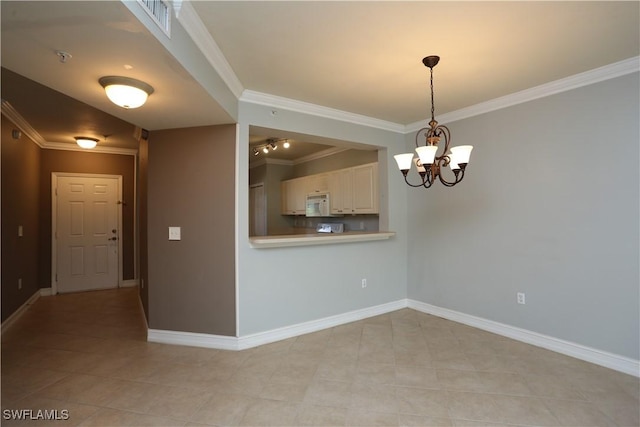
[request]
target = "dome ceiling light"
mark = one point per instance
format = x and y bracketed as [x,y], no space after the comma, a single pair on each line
[126,92]
[86,142]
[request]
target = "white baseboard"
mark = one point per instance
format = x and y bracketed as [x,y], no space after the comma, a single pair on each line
[274,335]
[19,312]
[261,338]
[46,292]
[131,283]
[588,354]
[192,339]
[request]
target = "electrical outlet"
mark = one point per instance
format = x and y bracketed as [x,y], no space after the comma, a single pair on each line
[520,298]
[19,283]
[364,283]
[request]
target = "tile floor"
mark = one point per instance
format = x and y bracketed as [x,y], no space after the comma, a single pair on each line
[86,354]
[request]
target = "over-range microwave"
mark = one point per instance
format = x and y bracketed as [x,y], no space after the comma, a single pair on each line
[318,205]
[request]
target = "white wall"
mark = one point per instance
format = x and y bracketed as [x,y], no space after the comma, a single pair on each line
[280,287]
[549,207]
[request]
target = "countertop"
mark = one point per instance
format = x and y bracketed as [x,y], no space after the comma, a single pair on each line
[310,239]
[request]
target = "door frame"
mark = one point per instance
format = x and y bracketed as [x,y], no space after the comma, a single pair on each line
[54,222]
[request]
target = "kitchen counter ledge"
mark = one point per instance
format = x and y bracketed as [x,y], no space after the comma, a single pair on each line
[312,239]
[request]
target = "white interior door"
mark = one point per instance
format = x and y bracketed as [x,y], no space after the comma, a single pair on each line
[257,211]
[86,233]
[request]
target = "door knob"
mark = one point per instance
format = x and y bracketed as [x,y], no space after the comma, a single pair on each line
[113,238]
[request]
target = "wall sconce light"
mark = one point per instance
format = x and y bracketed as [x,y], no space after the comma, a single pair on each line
[86,142]
[126,92]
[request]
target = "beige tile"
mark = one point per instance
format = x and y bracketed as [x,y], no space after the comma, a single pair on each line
[413,401]
[337,369]
[406,420]
[362,417]
[384,373]
[416,376]
[472,406]
[113,417]
[87,389]
[523,410]
[30,379]
[223,409]
[578,413]
[173,402]
[329,393]
[621,407]
[263,412]
[284,392]
[550,386]
[374,397]
[325,416]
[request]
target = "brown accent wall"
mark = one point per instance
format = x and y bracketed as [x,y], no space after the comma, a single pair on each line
[191,184]
[90,163]
[20,207]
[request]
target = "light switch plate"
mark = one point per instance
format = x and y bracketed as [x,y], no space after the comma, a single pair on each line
[174,233]
[20,231]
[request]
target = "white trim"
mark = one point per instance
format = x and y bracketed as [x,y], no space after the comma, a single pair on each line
[98,149]
[320,154]
[192,339]
[261,338]
[275,101]
[198,32]
[286,332]
[23,125]
[46,292]
[588,354]
[19,312]
[130,283]
[586,78]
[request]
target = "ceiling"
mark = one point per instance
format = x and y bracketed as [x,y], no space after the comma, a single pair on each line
[361,57]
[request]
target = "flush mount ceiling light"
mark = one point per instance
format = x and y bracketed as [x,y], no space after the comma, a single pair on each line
[86,142]
[271,145]
[429,165]
[126,92]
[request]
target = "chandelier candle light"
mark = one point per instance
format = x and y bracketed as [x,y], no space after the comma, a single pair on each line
[428,164]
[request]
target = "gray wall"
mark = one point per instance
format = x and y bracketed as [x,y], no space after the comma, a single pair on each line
[280,287]
[191,184]
[549,207]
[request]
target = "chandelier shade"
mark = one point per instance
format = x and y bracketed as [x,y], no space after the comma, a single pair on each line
[126,92]
[429,164]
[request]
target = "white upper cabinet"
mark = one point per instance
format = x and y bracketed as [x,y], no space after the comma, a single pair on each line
[351,191]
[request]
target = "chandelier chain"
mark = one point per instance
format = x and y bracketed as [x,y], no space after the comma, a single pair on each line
[433,107]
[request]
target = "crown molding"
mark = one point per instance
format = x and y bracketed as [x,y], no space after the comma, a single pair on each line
[319,155]
[193,25]
[98,149]
[607,72]
[16,118]
[275,101]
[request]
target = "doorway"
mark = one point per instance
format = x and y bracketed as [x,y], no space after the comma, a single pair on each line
[86,236]
[257,211]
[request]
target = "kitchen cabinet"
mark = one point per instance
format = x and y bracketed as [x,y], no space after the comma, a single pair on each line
[294,196]
[352,191]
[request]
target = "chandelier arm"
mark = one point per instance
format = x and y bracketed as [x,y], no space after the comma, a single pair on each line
[459,177]
[418,134]
[425,180]
[447,136]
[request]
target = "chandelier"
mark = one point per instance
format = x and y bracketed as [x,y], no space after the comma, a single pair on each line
[271,145]
[430,166]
